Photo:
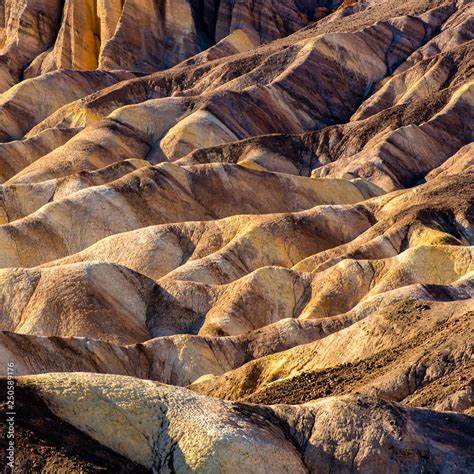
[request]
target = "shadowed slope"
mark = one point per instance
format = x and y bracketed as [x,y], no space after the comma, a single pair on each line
[260,201]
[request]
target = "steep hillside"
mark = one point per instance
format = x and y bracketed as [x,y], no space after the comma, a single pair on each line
[267,206]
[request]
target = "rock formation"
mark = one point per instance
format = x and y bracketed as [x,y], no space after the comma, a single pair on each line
[237,236]
[172,429]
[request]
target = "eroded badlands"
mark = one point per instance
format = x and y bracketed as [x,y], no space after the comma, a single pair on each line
[237,236]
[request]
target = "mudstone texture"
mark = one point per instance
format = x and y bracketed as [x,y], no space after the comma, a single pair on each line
[236,236]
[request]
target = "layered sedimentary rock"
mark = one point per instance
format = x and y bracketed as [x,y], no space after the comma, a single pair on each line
[28,28]
[141,420]
[191,194]
[266,205]
[29,102]
[140,35]
[435,349]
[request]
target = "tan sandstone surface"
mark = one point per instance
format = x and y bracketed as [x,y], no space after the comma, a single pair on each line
[237,236]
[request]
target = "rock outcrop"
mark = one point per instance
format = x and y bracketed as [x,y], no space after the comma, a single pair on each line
[168,428]
[266,206]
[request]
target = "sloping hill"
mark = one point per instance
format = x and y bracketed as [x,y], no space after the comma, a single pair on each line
[266,205]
